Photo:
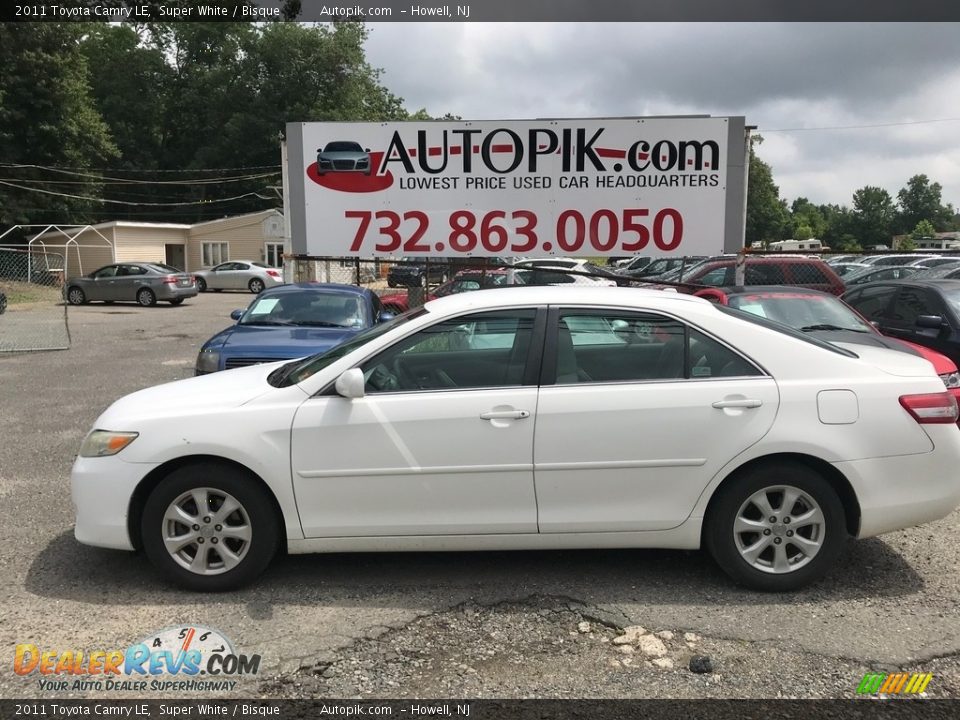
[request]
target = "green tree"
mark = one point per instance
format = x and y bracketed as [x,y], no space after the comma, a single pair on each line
[922,200]
[48,117]
[924,230]
[766,213]
[804,214]
[873,215]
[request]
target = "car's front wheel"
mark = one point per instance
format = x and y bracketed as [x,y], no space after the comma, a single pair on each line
[176,301]
[76,296]
[210,527]
[776,527]
[201,285]
[256,286]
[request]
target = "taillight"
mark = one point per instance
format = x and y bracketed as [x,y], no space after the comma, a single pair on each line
[931,407]
[170,280]
[273,274]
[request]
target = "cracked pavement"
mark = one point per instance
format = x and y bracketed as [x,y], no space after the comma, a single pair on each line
[891,604]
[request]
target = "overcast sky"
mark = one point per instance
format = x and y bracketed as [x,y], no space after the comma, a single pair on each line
[779,76]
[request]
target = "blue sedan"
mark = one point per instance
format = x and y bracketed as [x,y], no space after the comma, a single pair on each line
[291,321]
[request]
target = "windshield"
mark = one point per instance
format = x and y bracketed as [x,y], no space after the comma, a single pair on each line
[300,370]
[676,268]
[952,297]
[340,146]
[801,311]
[308,308]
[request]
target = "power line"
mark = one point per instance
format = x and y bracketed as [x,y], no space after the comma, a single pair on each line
[132,181]
[136,204]
[139,170]
[862,127]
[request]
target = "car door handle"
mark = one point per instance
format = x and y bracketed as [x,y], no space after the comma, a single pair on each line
[505,415]
[738,403]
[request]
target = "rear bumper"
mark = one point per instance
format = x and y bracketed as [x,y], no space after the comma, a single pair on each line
[900,492]
[172,292]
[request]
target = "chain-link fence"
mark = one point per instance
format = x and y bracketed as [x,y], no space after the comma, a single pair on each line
[404,283]
[33,315]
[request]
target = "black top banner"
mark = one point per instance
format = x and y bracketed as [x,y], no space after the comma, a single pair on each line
[479,11]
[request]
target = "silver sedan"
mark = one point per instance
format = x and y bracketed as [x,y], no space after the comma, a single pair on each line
[142,282]
[239,275]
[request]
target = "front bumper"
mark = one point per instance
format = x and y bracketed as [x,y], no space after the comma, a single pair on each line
[101,489]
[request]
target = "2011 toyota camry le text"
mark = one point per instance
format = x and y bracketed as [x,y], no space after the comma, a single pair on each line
[533,417]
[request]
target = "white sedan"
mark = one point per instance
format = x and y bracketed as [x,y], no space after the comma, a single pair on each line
[524,418]
[239,275]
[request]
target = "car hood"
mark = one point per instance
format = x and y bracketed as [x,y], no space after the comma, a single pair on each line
[192,395]
[280,342]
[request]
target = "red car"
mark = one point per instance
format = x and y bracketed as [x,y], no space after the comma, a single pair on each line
[805,272]
[463,281]
[828,318]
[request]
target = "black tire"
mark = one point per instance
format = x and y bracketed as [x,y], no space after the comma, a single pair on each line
[146,297]
[201,285]
[176,301]
[76,296]
[256,511]
[724,544]
[256,286]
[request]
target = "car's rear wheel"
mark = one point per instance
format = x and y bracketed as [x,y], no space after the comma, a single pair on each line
[176,301]
[776,527]
[146,297]
[210,527]
[201,285]
[76,296]
[256,286]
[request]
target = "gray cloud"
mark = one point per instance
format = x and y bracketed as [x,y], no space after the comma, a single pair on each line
[780,76]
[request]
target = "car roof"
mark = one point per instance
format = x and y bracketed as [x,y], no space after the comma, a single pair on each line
[567,295]
[337,288]
[949,283]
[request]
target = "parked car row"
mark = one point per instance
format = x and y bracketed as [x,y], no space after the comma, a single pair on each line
[148,282]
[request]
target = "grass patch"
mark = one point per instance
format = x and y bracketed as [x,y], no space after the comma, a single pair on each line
[21,293]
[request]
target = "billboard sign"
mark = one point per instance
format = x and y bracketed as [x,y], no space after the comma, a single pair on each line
[588,187]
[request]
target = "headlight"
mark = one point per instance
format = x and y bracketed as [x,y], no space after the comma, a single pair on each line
[100,443]
[951,380]
[208,361]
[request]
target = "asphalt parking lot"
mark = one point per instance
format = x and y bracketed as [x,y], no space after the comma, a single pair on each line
[456,625]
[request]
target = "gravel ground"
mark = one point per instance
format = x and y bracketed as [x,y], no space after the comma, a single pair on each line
[434,624]
[552,648]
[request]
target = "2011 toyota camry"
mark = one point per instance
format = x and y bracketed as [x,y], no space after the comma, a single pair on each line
[523,418]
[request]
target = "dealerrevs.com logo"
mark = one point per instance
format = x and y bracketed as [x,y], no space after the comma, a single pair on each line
[180,658]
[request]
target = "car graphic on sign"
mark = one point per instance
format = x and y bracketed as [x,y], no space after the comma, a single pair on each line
[343,156]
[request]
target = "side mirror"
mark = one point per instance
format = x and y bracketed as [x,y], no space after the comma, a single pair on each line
[385,316]
[367,150]
[350,384]
[930,321]
[236,314]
